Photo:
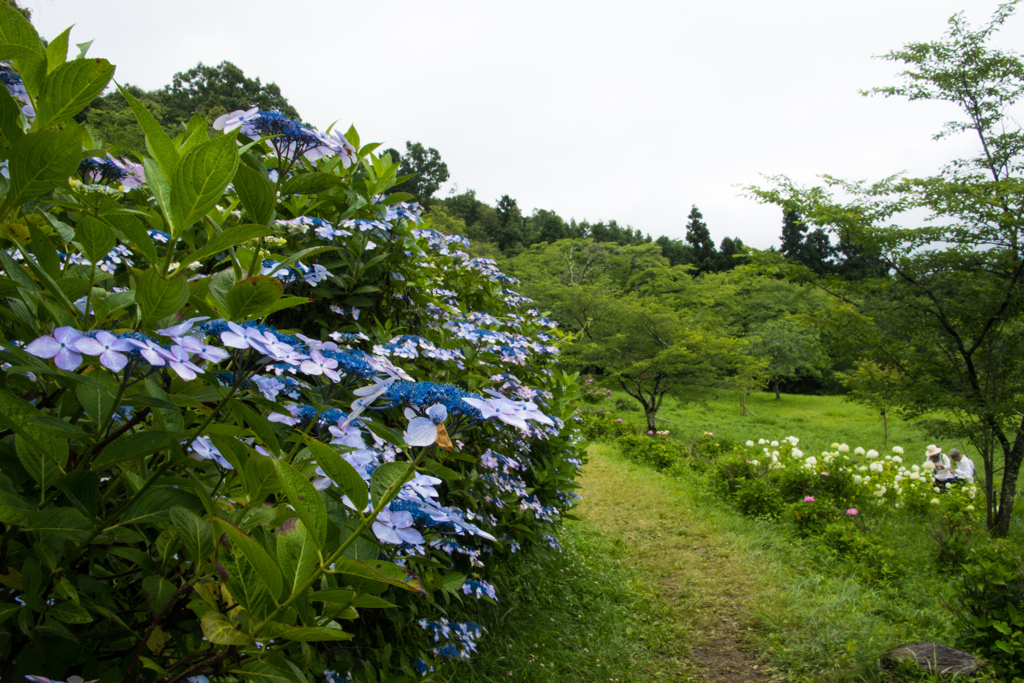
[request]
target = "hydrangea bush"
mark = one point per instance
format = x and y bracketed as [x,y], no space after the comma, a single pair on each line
[260,421]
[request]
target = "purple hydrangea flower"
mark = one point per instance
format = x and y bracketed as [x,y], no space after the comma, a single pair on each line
[396,528]
[108,348]
[62,347]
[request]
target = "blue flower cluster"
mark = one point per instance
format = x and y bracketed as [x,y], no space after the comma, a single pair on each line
[422,395]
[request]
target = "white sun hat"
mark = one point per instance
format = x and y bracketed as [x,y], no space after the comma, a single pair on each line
[932,450]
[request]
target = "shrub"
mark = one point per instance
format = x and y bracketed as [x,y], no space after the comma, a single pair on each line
[869,558]
[211,463]
[627,405]
[659,452]
[591,393]
[811,515]
[758,498]
[730,472]
[598,425]
[990,606]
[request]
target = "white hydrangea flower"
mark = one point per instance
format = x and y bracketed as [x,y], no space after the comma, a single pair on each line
[857,479]
[793,440]
[935,501]
[797,453]
[843,448]
[872,453]
[897,450]
[750,443]
[774,444]
[896,459]
[858,451]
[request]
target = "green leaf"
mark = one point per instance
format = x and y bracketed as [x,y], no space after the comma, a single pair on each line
[440,471]
[384,432]
[137,445]
[10,124]
[40,465]
[21,42]
[341,473]
[223,241]
[43,250]
[257,194]
[94,238]
[334,596]
[155,505]
[306,634]
[69,89]
[82,487]
[157,140]
[309,183]
[159,298]
[200,179]
[132,232]
[266,568]
[69,613]
[378,572]
[258,424]
[7,611]
[219,630]
[253,297]
[387,480]
[96,401]
[306,500]
[161,189]
[256,671]
[57,50]
[64,522]
[18,415]
[39,162]
[297,554]
[194,532]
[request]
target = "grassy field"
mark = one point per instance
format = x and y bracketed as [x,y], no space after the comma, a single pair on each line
[661,580]
[818,421]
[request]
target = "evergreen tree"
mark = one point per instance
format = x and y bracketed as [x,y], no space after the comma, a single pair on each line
[699,238]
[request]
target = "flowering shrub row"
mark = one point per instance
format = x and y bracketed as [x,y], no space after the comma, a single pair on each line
[259,419]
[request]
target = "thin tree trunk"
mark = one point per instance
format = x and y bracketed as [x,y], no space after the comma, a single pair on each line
[885,427]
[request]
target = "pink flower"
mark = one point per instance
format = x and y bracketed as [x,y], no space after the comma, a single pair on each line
[852,512]
[619,420]
[650,433]
[824,474]
[808,499]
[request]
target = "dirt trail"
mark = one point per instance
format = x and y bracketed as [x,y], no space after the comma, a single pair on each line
[708,587]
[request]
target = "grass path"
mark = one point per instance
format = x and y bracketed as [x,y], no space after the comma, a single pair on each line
[708,585]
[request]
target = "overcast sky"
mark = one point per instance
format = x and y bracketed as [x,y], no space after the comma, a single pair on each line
[594,109]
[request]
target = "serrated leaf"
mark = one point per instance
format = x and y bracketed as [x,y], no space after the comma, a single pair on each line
[223,241]
[306,634]
[159,298]
[257,194]
[10,124]
[194,532]
[132,232]
[257,556]
[200,178]
[297,554]
[137,445]
[305,499]
[69,613]
[21,42]
[387,480]
[94,238]
[157,140]
[155,505]
[341,473]
[378,571]
[40,465]
[40,162]
[309,183]
[253,297]
[219,630]
[64,522]
[69,88]
[96,401]
[57,50]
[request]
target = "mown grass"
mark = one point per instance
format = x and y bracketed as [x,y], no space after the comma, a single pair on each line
[581,615]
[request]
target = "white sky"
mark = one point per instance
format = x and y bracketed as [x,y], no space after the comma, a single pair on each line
[594,109]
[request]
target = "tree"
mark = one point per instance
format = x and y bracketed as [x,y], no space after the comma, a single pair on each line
[943,308]
[510,224]
[426,168]
[791,351]
[653,352]
[214,90]
[699,238]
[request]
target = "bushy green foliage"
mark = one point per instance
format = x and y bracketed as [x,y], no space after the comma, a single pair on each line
[660,452]
[601,425]
[990,606]
[259,422]
[811,515]
[757,497]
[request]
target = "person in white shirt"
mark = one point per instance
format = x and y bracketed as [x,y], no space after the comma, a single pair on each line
[938,463]
[963,468]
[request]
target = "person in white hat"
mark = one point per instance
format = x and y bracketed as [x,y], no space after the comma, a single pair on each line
[938,464]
